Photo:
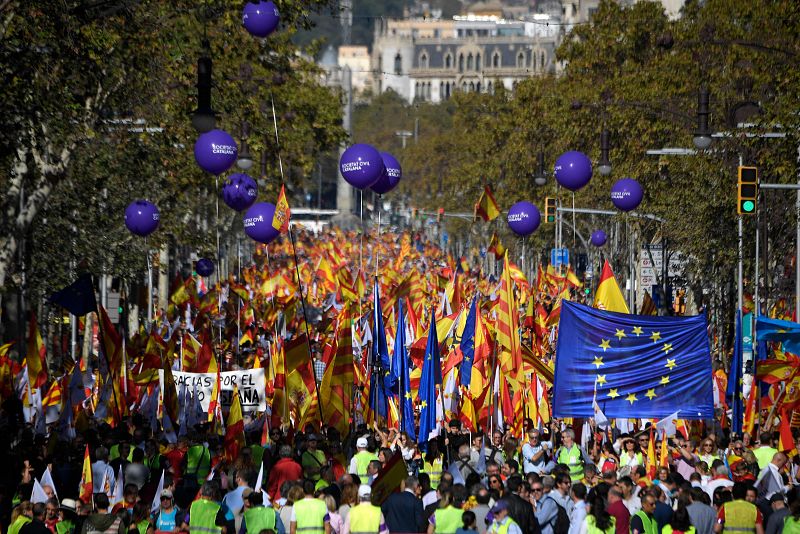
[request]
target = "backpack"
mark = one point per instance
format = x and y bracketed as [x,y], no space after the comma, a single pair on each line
[560,522]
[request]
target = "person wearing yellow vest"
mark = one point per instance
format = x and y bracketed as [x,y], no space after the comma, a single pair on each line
[21,515]
[501,522]
[198,462]
[598,520]
[643,521]
[309,515]
[447,518]
[680,523]
[739,516]
[361,459]
[765,451]
[313,459]
[204,514]
[631,454]
[364,518]
[258,516]
[432,464]
[571,455]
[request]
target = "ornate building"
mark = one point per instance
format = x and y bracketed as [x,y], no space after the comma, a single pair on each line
[428,60]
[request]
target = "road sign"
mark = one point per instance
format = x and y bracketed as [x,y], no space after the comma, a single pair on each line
[559,256]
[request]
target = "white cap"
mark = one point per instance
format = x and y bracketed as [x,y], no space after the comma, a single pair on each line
[362,443]
[364,491]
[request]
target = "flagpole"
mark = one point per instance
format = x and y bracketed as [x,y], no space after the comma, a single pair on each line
[308,334]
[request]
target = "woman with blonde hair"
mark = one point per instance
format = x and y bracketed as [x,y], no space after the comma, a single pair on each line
[336,520]
[20,516]
[295,494]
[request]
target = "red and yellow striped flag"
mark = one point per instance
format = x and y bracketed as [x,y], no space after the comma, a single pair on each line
[650,461]
[280,220]
[234,430]
[53,396]
[486,208]
[85,489]
[36,356]
[337,383]
[608,295]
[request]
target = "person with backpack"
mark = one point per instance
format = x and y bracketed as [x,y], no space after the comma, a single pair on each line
[554,508]
[519,505]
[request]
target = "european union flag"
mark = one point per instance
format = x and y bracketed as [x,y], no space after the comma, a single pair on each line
[431,375]
[733,395]
[636,366]
[785,332]
[381,380]
[468,345]
[402,373]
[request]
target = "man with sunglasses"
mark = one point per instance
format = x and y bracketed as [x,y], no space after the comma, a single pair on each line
[166,519]
[535,454]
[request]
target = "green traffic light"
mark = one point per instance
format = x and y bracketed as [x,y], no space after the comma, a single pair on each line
[748,206]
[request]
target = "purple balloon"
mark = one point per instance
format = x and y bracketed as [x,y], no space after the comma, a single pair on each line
[598,238]
[215,151]
[204,267]
[524,218]
[142,217]
[626,194]
[258,222]
[392,172]
[361,165]
[239,191]
[573,170]
[260,18]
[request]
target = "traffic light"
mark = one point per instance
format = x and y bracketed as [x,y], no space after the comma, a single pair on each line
[550,210]
[439,215]
[747,191]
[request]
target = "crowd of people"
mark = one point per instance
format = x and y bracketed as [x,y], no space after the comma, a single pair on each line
[319,482]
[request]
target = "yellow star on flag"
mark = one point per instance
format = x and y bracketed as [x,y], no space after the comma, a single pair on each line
[637,330]
[670,363]
[605,345]
[620,334]
[631,398]
[667,347]
[613,393]
[598,361]
[601,379]
[424,404]
[408,395]
[650,394]
[656,336]
[665,379]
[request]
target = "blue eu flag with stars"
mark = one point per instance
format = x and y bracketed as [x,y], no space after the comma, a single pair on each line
[636,366]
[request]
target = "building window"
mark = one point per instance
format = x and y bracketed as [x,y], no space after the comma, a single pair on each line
[469,62]
[436,34]
[478,87]
[478,62]
[428,91]
[490,88]
[423,61]
[543,61]
[398,64]
[461,63]
[496,62]
[471,87]
[533,59]
[464,86]
[520,60]
[448,61]
[447,91]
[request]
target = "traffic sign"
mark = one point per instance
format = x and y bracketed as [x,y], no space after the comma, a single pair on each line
[559,256]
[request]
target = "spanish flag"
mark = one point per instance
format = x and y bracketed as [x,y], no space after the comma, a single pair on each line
[496,247]
[280,221]
[234,431]
[608,296]
[36,356]
[86,488]
[486,207]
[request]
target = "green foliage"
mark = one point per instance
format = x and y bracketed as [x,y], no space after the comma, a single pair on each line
[618,76]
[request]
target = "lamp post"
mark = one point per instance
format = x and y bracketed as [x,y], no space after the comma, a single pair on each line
[540,177]
[204,118]
[604,165]
[245,160]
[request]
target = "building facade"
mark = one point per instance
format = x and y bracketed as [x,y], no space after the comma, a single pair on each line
[428,60]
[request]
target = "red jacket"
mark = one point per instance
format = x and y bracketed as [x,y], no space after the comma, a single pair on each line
[285,469]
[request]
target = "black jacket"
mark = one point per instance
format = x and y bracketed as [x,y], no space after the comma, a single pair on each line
[521,511]
[403,512]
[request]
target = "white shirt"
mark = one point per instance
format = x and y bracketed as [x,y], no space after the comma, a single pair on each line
[576,517]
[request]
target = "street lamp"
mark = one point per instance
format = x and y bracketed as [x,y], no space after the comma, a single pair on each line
[540,178]
[604,165]
[245,161]
[702,136]
[204,118]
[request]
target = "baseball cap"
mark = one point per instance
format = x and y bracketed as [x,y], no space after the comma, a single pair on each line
[499,506]
[166,493]
[362,443]
[364,491]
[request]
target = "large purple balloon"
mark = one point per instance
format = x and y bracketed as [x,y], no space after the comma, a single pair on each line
[258,222]
[204,267]
[260,18]
[598,238]
[524,218]
[239,191]
[142,217]
[361,165]
[626,194]
[215,151]
[573,170]
[392,172]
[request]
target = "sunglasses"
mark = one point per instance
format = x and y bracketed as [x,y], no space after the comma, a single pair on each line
[166,498]
[536,489]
